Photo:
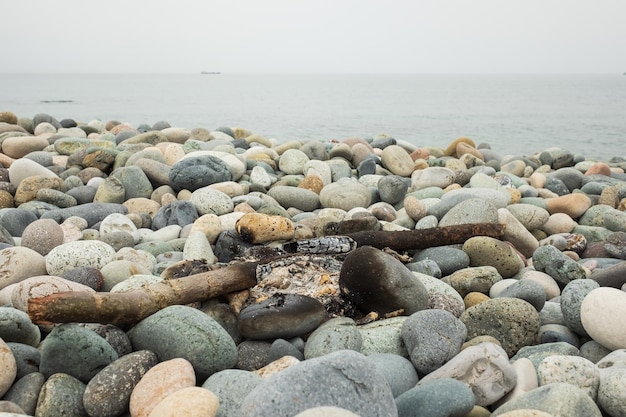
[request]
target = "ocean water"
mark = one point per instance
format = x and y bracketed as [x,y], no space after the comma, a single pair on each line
[515,114]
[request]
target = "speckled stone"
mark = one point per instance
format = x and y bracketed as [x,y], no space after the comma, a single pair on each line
[61,395]
[185,332]
[476,279]
[441,295]
[71,255]
[559,266]
[488,251]
[211,201]
[572,297]
[574,370]
[108,393]
[513,322]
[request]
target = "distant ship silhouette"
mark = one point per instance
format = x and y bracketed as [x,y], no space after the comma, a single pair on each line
[210,72]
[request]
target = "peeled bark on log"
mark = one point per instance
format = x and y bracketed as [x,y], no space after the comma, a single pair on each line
[131,307]
[426,238]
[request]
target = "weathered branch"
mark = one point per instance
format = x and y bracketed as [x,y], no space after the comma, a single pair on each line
[426,238]
[131,307]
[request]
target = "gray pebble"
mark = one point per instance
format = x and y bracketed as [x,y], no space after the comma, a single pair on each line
[338,333]
[185,332]
[444,397]
[231,386]
[76,351]
[25,392]
[432,338]
[343,379]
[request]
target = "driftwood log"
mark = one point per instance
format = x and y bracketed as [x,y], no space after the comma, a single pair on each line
[131,307]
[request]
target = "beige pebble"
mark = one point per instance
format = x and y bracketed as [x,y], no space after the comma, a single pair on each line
[559,223]
[142,205]
[549,285]
[277,366]
[209,224]
[602,314]
[160,381]
[414,207]
[574,205]
[188,402]
[473,298]
[526,380]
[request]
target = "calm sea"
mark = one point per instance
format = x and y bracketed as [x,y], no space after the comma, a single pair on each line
[515,114]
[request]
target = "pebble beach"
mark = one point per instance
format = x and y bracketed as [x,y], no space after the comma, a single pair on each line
[529,320]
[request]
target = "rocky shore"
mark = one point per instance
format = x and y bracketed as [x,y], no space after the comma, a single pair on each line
[285,311]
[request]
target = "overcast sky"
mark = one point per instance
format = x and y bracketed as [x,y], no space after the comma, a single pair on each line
[321,36]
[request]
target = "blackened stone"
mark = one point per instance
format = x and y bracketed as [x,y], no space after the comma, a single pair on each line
[199,171]
[181,212]
[230,245]
[281,315]
[376,281]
